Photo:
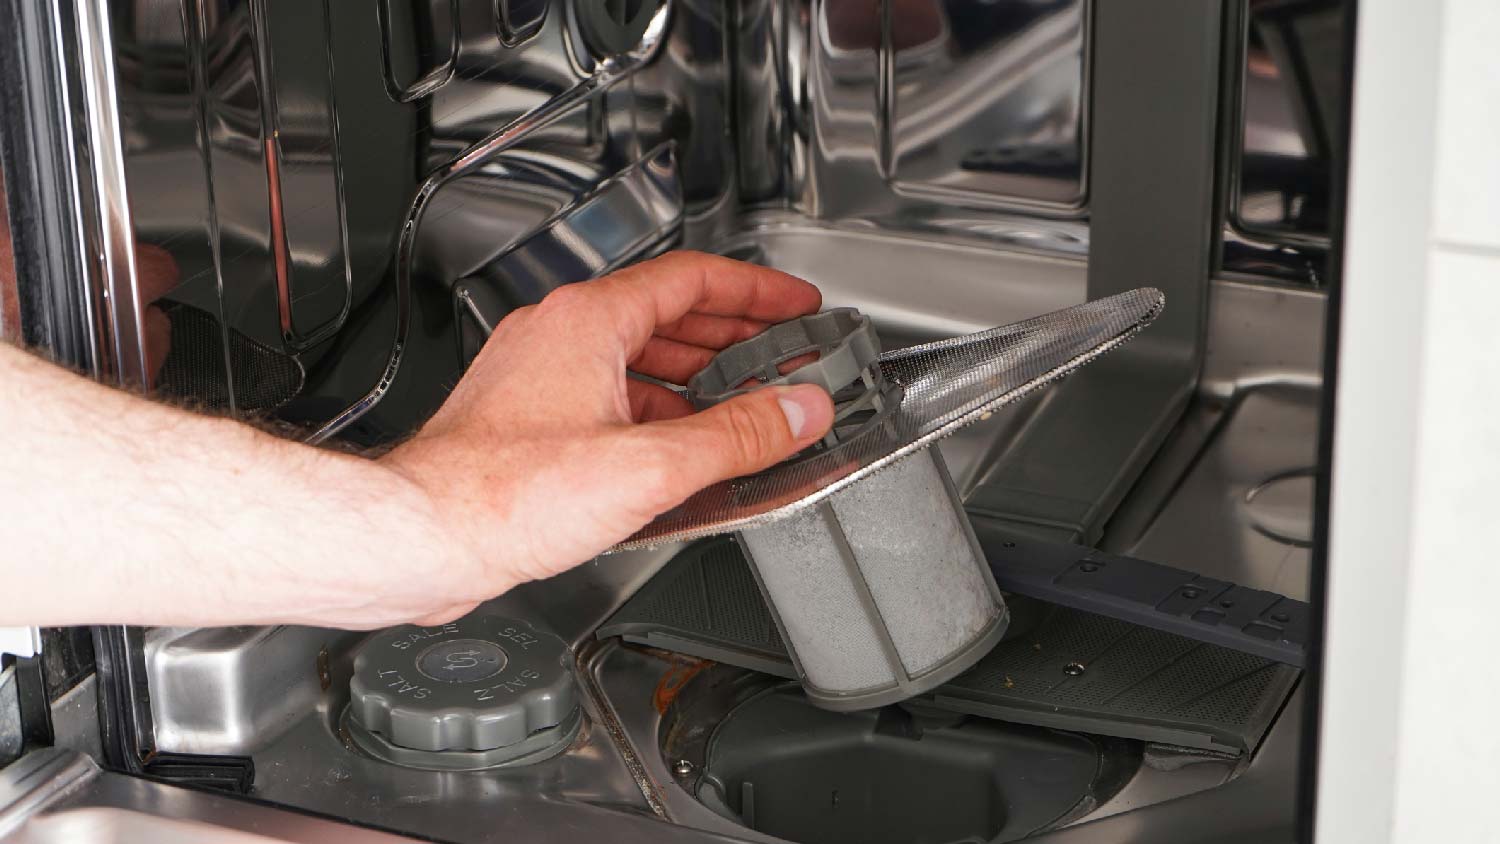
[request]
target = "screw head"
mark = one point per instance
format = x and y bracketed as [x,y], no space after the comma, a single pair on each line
[1073,669]
[682,768]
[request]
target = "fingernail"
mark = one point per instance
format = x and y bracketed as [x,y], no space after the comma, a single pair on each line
[806,407]
[796,417]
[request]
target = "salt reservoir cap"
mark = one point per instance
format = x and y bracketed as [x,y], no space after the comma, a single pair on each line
[481,683]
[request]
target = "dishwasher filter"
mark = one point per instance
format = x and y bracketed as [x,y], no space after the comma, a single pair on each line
[881,589]
[875,578]
[943,386]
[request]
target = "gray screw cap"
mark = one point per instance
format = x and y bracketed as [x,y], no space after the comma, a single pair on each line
[479,683]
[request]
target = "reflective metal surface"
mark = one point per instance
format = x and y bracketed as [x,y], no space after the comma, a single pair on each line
[313,181]
[308,766]
[1152,187]
[231,690]
[1284,147]
[938,117]
[985,101]
[838,101]
[37,780]
[629,217]
[916,289]
[312,765]
[114,248]
[433,49]
[240,132]
[1261,444]
[276,183]
[68,217]
[110,807]
[1252,423]
[309,179]
[75,720]
[535,121]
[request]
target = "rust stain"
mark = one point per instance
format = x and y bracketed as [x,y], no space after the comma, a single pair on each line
[677,675]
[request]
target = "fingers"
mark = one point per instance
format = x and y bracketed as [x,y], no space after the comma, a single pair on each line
[677,363]
[739,437]
[653,402]
[633,303]
[670,360]
[711,332]
[156,271]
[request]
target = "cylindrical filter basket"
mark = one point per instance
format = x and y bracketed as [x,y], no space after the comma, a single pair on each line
[880,591]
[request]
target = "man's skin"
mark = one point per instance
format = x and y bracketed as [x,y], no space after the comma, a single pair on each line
[119,510]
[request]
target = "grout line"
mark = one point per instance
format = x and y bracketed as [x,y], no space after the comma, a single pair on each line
[1455,247]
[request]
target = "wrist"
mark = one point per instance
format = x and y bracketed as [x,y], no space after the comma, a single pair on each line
[440,521]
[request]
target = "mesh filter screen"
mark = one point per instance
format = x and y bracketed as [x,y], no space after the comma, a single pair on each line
[196,366]
[946,385]
[929,580]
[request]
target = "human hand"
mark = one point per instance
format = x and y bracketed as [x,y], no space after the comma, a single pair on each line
[547,453]
[157,275]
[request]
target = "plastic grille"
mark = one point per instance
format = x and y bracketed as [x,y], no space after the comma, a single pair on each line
[733,598]
[1150,683]
[708,590]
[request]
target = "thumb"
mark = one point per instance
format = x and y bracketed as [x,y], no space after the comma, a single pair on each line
[743,435]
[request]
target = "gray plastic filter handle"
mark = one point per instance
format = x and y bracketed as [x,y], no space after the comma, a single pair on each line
[843,338]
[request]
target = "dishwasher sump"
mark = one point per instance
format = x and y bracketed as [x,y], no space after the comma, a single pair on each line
[754,750]
[1067,718]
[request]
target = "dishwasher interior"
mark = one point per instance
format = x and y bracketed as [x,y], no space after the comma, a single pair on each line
[314,213]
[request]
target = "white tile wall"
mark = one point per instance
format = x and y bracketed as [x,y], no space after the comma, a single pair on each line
[1467,211]
[1417,440]
[1447,744]
[1385,263]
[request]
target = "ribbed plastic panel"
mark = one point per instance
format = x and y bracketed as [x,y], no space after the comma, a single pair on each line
[1065,669]
[705,603]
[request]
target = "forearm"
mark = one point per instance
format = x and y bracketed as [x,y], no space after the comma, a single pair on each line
[122,510]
